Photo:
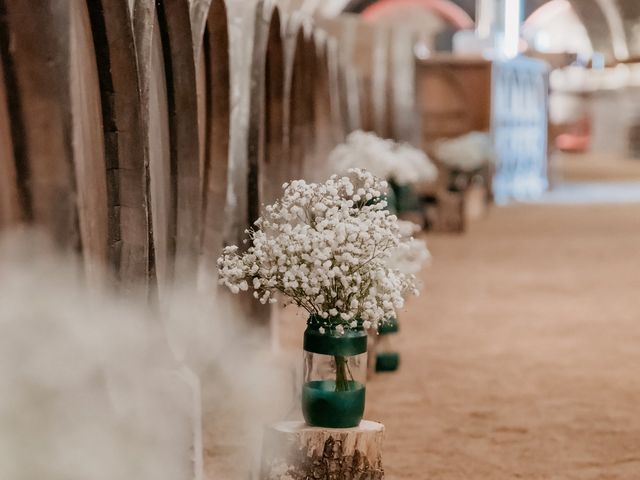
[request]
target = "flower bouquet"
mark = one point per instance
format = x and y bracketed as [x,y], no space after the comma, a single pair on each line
[409,258]
[400,163]
[325,248]
[465,156]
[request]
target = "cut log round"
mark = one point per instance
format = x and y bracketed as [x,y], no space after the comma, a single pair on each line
[293,450]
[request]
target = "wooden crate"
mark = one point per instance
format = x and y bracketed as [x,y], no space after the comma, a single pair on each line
[453,96]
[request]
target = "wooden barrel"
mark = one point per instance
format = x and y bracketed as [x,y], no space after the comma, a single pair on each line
[182,103]
[300,82]
[364,60]
[323,126]
[266,111]
[155,122]
[378,77]
[339,124]
[169,117]
[88,143]
[36,60]
[404,121]
[76,142]
[211,51]
[340,31]
[274,117]
[349,95]
[11,186]
[129,228]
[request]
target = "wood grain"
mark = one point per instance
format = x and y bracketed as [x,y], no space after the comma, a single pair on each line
[299,103]
[266,111]
[180,69]
[274,159]
[454,96]
[211,49]
[162,180]
[127,188]
[323,115]
[11,209]
[88,144]
[37,64]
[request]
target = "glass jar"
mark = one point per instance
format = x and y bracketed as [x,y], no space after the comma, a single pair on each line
[387,357]
[335,371]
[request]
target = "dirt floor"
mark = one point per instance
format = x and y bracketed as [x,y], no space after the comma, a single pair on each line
[521,360]
[522,357]
[593,167]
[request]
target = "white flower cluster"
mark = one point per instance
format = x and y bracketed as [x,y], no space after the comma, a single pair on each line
[466,153]
[401,163]
[412,253]
[325,247]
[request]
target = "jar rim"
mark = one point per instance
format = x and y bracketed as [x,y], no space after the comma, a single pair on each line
[350,343]
[389,326]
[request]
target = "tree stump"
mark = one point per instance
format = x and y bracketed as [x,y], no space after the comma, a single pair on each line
[293,450]
[449,212]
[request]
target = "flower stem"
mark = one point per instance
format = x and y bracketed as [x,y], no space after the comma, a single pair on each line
[342,380]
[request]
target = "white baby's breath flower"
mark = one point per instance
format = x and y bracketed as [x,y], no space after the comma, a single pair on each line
[467,152]
[412,254]
[325,248]
[386,159]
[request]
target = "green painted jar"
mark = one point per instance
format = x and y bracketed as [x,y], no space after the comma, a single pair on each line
[335,371]
[387,358]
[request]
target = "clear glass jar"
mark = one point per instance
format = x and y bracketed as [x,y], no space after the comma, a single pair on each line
[335,372]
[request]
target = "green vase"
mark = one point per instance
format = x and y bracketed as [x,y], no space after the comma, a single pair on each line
[387,359]
[335,370]
[405,199]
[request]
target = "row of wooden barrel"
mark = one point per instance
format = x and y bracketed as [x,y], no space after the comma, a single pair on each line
[116,124]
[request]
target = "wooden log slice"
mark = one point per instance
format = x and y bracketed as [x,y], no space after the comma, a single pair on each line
[293,450]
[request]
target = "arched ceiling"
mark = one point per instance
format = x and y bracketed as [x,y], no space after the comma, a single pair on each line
[613,25]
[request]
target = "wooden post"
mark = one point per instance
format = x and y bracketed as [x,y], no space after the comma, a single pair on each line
[293,450]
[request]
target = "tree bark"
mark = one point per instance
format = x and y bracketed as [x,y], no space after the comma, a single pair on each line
[293,450]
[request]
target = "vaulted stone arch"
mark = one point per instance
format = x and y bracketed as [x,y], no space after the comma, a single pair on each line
[613,26]
[629,11]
